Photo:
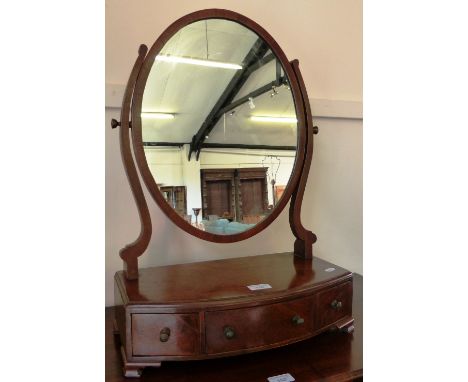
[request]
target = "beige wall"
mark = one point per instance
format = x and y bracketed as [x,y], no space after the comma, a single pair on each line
[326,36]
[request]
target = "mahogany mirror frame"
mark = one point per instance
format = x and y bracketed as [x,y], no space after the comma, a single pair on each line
[132,106]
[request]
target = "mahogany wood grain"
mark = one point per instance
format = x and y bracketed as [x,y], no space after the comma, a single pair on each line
[131,252]
[182,334]
[330,356]
[198,302]
[258,326]
[326,311]
[304,238]
[224,282]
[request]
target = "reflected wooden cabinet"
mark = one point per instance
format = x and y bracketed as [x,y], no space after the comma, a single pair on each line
[236,194]
[176,196]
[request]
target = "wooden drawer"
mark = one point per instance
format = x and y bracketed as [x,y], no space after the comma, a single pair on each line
[333,304]
[232,330]
[165,334]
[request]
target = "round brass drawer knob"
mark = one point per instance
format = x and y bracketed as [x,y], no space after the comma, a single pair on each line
[336,304]
[297,320]
[229,332]
[164,334]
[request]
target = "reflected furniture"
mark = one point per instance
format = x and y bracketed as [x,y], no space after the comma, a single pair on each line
[240,192]
[226,307]
[177,197]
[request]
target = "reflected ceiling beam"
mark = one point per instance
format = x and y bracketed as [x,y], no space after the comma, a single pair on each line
[263,61]
[164,144]
[254,55]
[257,92]
[221,146]
[250,147]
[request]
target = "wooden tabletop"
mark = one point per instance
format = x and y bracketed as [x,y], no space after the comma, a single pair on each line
[328,357]
[226,280]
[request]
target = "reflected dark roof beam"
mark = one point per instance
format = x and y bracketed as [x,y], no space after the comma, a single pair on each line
[164,144]
[242,146]
[221,146]
[253,94]
[255,54]
[263,61]
[278,73]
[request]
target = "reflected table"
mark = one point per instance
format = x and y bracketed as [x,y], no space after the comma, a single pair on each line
[332,356]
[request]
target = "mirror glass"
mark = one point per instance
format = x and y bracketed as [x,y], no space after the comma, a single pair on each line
[219,126]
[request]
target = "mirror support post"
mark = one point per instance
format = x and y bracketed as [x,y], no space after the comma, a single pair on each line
[131,252]
[304,237]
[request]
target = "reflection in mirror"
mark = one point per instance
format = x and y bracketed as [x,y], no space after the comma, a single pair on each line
[219,126]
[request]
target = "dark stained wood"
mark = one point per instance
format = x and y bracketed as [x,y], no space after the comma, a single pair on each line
[218,197]
[131,252]
[176,197]
[239,192]
[258,326]
[182,331]
[304,238]
[327,311]
[330,356]
[182,312]
[223,282]
[213,197]
[137,141]
[253,196]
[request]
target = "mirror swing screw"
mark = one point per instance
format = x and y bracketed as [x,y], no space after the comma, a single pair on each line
[114,123]
[315,129]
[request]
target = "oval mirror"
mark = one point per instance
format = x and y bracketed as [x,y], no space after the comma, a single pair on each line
[217,123]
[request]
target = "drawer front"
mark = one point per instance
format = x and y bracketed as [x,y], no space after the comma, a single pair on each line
[246,328]
[165,334]
[333,304]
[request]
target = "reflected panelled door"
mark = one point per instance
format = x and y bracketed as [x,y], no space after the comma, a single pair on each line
[218,120]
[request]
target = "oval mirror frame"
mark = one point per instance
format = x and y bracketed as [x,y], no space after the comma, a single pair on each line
[137,139]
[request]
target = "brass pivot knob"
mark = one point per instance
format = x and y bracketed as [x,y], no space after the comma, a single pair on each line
[315,129]
[114,123]
[297,320]
[229,332]
[164,334]
[336,304]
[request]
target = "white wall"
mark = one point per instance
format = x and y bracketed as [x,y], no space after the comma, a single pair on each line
[326,36]
[167,164]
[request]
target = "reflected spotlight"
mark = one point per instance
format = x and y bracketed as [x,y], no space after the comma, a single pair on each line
[273,91]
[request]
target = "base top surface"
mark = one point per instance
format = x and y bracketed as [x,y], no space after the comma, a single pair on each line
[228,279]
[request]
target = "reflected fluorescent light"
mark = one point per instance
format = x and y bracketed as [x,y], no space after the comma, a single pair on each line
[149,115]
[274,119]
[196,61]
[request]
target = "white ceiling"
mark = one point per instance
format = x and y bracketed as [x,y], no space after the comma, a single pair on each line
[191,91]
